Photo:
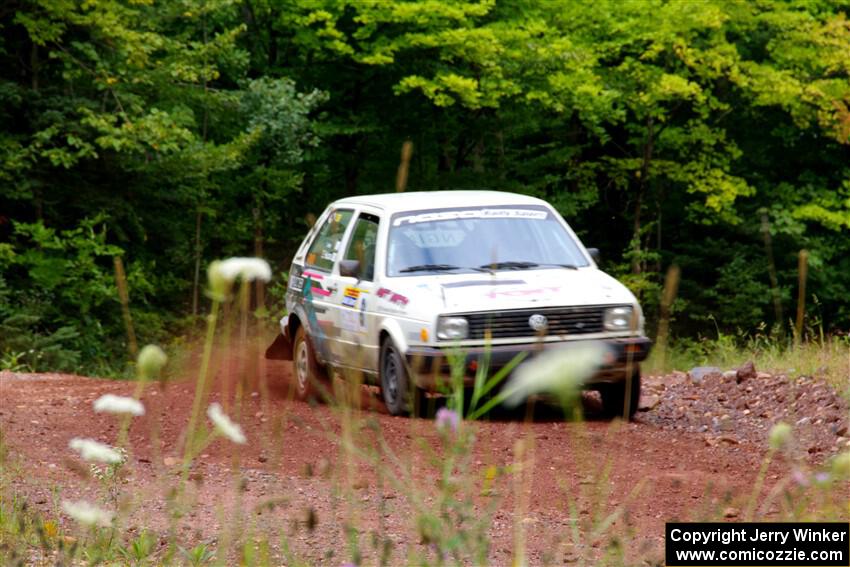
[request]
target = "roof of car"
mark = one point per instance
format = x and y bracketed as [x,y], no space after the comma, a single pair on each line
[418,200]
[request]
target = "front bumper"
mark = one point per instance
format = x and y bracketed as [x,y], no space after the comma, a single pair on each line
[430,366]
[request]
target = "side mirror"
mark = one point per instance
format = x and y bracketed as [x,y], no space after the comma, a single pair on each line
[594,253]
[349,268]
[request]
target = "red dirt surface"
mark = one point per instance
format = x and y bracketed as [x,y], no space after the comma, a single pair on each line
[292,478]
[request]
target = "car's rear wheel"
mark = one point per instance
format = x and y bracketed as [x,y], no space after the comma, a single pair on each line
[617,394]
[307,374]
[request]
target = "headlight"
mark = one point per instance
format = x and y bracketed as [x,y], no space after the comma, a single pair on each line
[618,319]
[452,328]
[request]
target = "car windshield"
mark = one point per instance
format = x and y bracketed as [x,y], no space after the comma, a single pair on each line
[472,239]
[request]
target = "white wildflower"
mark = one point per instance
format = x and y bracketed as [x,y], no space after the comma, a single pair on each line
[87,514]
[91,450]
[561,372]
[222,273]
[224,425]
[219,284]
[111,403]
[248,269]
[150,361]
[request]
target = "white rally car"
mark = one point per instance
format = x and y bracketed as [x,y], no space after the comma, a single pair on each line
[386,285]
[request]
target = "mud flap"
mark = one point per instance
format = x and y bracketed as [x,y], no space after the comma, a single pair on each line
[280,349]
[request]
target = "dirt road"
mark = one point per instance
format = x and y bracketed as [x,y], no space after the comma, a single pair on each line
[294,478]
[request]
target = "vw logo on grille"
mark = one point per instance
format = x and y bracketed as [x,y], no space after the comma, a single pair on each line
[538,322]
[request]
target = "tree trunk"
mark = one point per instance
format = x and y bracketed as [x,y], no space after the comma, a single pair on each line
[478,156]
[258,252]
[460,153]
[197,277]
[351,172]
[644,175]
[444,162]
[500,138]
[272,54]
[34,64]
[196,280]
[658,239]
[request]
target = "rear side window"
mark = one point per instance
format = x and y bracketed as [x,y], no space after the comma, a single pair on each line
[325,248]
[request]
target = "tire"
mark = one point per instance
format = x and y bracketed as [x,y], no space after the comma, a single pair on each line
[395,385]
[308,376]
[614,396]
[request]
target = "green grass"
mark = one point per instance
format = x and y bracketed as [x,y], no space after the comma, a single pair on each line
[824,357]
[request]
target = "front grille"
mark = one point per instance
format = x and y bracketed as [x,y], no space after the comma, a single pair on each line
[514,323]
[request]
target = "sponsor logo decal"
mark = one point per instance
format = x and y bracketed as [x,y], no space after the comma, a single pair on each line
[348,321]
[316,332]
[523,292]
[351,295]
[392,297]
[316,287]
[472,214]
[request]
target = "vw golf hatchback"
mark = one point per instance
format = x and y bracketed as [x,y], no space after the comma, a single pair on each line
[388,285]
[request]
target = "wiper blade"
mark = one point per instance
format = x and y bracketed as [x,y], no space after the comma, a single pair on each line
[567,266]
[523,265]
[429,268]
[440,268]
[510,265]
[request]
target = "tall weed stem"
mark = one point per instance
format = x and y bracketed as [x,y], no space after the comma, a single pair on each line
[201,385]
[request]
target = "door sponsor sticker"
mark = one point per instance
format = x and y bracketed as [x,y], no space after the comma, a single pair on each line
[393,297]
[350,296]
[316,287]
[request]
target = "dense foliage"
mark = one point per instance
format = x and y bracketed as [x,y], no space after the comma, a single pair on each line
[171,132]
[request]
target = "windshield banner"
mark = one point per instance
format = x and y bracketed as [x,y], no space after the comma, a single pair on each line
[460,214]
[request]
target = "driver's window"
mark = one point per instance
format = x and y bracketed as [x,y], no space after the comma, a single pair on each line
[361,247]
[325,249]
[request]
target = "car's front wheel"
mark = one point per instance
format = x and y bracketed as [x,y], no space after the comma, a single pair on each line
[305,367]
[395,384]
[616,395]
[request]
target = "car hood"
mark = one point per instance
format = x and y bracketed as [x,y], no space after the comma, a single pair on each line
[515,290]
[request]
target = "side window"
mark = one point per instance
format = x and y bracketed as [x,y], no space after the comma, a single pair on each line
[364,238]
[325,248]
